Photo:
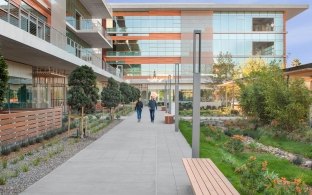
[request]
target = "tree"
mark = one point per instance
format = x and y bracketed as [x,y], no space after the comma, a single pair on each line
[266,95]
[223,68]
[111,95]
[295,62]
[4,78]
[136,94]
[83,91]
[126,92]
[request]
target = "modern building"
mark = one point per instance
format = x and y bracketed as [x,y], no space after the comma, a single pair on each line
[42,41]
[149,39]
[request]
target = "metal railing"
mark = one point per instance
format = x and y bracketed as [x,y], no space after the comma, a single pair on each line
[89,25]
[37,27]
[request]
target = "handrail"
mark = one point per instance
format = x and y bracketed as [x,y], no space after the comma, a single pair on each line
[37,27]
[89,25]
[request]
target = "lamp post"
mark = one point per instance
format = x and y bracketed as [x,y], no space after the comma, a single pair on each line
[165,94]
[196,95]
[176,99]
[169,80]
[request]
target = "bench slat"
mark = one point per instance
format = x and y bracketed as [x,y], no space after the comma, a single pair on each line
[192,178]
[224,179]
[211,177]
[206,178]
[200,177]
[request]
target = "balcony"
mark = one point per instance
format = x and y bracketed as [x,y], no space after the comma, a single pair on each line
[27,39]
[91,31]
[98,8]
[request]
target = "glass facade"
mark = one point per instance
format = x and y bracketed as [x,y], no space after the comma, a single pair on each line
[247,34]
[146,48]
[19,94]
[242,34]
[146,24]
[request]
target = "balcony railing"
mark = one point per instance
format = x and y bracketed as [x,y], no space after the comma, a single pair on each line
[89,25]
[32,24]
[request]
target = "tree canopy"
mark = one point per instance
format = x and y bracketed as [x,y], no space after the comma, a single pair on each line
[4,78]
[111,95]
[268,95]
[83,91]
[126,92]
[223,67]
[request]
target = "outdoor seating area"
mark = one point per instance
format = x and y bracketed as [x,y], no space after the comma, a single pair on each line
[206,178]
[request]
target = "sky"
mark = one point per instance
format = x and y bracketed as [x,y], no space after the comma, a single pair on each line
[299,28]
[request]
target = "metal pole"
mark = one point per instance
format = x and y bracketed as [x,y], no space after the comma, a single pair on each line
[176,99]
[196,96]
[165,98]
[169,101]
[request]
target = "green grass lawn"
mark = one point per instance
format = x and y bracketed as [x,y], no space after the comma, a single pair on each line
[304,149]
[212,147]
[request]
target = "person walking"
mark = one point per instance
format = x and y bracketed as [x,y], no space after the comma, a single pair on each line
[138,108]
[152,107]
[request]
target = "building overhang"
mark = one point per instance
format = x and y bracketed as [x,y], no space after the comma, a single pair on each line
[27,49]
[98,8]
[302,71]
[291,9]
[93,37]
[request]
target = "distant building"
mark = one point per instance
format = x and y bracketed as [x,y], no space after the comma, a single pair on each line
[156,36]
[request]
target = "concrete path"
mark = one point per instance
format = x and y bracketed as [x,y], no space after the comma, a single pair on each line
[131,159]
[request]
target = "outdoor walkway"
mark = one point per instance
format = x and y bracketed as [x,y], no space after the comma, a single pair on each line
[131,159]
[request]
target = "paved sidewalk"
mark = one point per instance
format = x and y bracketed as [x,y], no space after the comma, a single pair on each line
[131,159]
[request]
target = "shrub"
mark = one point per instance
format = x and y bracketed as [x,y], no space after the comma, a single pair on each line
[39,139]
[3,180]
[31,141]
[4,164]
[235,144]
[6,150]
[36,162]
[15,173]
[256,179]
[24,143]
[16,147]
[21,157]
[25,168]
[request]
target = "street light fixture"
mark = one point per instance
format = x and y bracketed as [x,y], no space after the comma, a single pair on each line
[196,94]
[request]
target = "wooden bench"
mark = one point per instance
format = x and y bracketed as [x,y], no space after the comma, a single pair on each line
[206,178]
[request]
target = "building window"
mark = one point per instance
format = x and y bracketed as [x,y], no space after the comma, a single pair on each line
[263,24]
[263,48]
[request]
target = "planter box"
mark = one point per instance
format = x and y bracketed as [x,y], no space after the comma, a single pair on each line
[169,119]
[163,108]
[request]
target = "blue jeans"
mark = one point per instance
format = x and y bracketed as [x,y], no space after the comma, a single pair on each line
[139,112]
[152,112]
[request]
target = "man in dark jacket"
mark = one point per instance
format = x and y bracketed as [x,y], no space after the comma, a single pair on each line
[152,107]
[138,108]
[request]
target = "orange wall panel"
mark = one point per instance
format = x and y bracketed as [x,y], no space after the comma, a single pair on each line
[130,13]
[146,60]
[165,13]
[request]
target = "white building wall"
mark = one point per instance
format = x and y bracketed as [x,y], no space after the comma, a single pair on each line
[19,70]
